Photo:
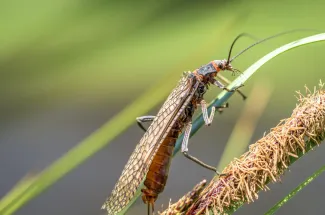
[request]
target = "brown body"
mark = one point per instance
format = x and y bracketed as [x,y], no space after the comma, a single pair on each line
[151,158]
[158,171]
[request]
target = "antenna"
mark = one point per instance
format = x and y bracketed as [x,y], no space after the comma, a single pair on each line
[260,41]
[233,43]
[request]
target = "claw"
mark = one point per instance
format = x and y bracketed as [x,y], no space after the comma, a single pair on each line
[220,108]
[222,174]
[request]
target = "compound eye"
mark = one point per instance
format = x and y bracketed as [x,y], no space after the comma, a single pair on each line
[220,65]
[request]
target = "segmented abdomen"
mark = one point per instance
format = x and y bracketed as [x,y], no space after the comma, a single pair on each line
[158,172]
[138,165]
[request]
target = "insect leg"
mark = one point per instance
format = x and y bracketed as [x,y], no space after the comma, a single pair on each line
[221,86]
[143,119]
[185,150]
[222,78]
[220,108]
[208,119]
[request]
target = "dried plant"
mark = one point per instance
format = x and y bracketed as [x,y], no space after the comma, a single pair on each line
[267,159]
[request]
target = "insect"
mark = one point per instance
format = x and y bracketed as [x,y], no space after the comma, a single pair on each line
[151,158]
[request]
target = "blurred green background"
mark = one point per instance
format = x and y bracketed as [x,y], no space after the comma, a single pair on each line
[67,67]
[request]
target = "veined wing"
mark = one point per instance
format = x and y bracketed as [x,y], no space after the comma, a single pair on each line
[138,165]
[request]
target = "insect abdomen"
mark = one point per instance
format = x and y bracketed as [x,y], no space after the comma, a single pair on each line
[158,171]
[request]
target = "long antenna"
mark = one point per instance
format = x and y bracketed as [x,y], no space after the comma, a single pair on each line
[233,43]
[262,40]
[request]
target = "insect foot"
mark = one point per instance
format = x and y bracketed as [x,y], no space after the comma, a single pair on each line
[221,174]
[220,108]
[233,90]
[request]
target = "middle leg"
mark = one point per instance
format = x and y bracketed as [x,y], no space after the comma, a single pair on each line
[208,119]
[143,119]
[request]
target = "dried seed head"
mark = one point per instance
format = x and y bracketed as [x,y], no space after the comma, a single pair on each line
[183,203]
[268,158]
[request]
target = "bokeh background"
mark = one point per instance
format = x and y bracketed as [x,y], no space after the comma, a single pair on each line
[67,67]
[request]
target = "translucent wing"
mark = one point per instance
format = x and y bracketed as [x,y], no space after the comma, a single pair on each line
[138,165]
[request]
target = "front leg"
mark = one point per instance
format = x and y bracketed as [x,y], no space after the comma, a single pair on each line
[187,155]
[219,76]
[221,86]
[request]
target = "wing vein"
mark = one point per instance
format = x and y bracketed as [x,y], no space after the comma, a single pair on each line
[138,164]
